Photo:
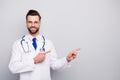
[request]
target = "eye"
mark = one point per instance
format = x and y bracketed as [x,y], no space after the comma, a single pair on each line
[29,21]
[36,22]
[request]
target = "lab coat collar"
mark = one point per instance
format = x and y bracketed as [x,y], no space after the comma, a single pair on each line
[39,37]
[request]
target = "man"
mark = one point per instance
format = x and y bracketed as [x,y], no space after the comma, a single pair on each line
[33,55]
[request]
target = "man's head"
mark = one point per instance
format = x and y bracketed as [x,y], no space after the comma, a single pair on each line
[33,20]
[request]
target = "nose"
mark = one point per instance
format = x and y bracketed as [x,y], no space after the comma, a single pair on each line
[33,24]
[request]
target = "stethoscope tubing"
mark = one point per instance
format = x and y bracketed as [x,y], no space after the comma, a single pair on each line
[27,51]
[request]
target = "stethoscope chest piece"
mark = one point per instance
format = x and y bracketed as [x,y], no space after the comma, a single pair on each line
[42,49]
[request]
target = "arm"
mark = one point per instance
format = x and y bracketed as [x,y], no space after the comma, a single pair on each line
[18,62]
[56,63]
[63,62]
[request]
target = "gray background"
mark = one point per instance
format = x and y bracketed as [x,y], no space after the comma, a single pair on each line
[92,25]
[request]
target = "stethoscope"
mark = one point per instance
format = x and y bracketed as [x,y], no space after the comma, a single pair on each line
[25,45]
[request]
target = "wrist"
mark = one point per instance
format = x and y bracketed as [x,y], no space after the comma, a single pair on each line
[68,59]
[35,61]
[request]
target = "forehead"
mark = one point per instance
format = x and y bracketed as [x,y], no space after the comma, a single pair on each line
[33,18]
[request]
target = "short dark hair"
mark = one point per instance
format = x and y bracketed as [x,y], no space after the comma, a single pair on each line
[33,13]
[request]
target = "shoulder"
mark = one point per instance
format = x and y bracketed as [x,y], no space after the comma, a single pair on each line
[48,42]
[18,41]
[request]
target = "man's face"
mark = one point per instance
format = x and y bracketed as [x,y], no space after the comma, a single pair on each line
[33,24]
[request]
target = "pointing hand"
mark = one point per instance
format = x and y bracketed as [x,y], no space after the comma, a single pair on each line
[72,55]
[40,57]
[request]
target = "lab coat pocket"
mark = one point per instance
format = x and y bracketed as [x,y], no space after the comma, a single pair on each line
[27,59]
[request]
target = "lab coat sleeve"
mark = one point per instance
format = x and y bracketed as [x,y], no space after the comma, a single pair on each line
[56,63]
[18,62]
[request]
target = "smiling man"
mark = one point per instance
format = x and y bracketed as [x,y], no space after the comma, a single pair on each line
[33,55]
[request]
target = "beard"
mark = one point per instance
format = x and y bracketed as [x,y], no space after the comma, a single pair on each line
[33,30]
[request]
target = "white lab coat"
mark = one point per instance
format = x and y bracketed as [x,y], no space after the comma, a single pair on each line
[23,63]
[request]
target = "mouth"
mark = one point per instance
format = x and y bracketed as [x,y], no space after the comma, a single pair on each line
[33,29]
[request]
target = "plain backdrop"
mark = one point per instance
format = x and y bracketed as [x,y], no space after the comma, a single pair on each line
[92,25]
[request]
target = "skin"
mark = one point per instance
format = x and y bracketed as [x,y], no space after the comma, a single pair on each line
[33,25]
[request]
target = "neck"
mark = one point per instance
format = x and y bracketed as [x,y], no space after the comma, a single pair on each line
[34,35]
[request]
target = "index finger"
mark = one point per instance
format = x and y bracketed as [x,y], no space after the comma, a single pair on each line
[78,49]
[46,52]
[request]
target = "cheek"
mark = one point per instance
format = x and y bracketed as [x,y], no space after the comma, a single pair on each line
[37,25]
[28,25]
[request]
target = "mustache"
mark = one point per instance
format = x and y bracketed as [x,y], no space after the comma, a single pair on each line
[32,27]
